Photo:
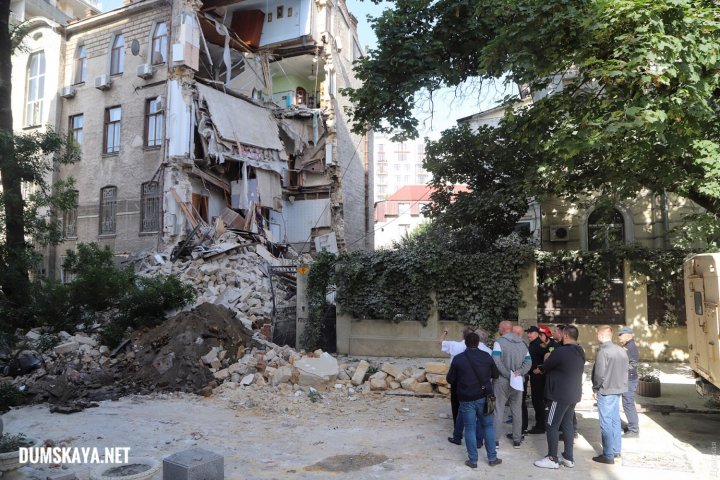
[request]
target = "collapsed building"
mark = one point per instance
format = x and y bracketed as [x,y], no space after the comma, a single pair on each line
[192,114]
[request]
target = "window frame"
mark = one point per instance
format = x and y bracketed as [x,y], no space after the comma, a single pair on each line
[156,118]
[150,207]
[107,209]
[35,83]
[73,130]
[116,126]
[163,43]
[80,65]
[117,55]
[70,214]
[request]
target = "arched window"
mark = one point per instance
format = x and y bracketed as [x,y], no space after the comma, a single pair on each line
[158,46]
[300,96]
[605,229]
[117,55]
[80,64]
[35,89]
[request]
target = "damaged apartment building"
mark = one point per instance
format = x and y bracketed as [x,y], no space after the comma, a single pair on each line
[191,111]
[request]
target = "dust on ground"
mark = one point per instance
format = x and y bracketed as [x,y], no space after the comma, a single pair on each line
[265,434]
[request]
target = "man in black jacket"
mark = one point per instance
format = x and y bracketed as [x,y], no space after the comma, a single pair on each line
[563,371]
[625,335]
[472,372]
[537,379]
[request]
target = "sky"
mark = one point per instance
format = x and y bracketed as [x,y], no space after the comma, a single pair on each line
[447,105]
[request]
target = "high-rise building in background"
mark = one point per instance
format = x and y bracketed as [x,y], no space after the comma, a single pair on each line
[398,164]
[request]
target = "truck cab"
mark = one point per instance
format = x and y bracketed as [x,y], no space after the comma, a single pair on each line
[702,296]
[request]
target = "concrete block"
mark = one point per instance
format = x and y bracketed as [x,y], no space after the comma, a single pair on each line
[63,476]
[194,464]
[440,368]
[391,370]
[66,347]
[359,375]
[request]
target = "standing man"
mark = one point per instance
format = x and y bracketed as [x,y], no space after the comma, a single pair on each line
[512,359]
[472,372]
[563,389]
[625,334]
[537,379]
[610,381]
[520,332]
[454,348]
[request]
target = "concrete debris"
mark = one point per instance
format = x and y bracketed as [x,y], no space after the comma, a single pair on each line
[359,376]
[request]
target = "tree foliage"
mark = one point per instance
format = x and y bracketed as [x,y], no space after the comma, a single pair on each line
[625,96]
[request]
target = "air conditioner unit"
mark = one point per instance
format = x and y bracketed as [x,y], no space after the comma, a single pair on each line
[161,103]
[559,233]
[103,82]
[68,92]
[145,71]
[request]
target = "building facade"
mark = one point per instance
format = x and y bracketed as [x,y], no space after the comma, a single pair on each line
[398,164]
[190,112]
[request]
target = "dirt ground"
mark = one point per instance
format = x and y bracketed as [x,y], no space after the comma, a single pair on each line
[264,434]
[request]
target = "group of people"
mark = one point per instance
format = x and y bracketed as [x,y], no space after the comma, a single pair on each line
[552,363]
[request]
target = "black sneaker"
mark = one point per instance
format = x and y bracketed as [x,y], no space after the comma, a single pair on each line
[510,436]
[517,444]
[470,464]
[536,431]
[456,442]
[497,461]
[497,443]
[603,459]
[618,455]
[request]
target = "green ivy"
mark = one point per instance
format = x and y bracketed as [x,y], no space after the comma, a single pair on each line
[660,271]
[480,289]
[320,278]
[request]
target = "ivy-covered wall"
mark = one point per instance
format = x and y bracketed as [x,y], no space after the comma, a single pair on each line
[417,288]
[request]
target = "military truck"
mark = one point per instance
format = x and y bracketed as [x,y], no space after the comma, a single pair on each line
[702,300]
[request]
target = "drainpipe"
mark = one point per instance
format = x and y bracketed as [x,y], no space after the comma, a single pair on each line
[666,220]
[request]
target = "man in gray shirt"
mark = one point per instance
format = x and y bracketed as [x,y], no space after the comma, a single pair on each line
[512,359]
[610,381]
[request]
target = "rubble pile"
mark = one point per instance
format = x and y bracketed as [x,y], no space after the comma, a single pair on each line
[232,272]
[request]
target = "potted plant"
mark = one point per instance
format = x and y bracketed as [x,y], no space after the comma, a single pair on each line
[648,383]
[10,450]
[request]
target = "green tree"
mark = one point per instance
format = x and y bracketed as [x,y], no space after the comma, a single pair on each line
[26,159]
[638,107]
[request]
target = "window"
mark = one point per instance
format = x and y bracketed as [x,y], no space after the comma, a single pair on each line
[150,207]
[111,142]
[279,11]
[606,228]
[153,123]
[300,96]
[35,89]
[117,55]
[108,210]
[80,64]
[75,129]
[158,52]
[403,208]
[66,277]
[70,221]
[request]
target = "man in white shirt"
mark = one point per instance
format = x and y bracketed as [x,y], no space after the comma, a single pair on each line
[454,348]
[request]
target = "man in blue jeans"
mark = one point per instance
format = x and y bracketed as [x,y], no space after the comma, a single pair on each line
[472,372]
[610,381]
[625,335]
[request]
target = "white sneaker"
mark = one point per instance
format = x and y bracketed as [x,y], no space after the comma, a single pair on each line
[546,462]
[565,462]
